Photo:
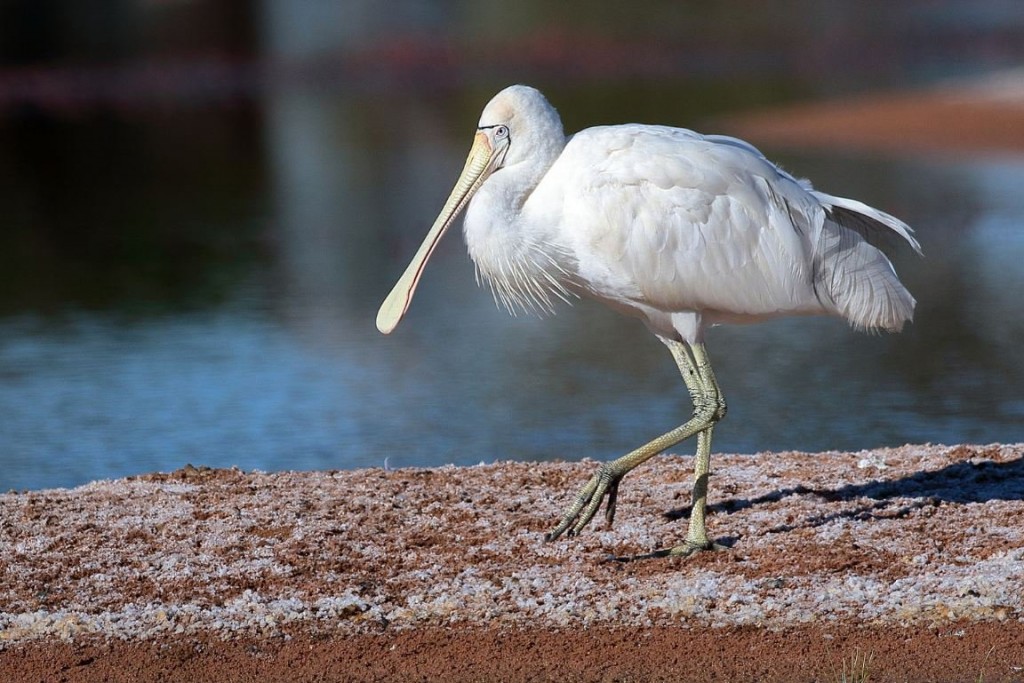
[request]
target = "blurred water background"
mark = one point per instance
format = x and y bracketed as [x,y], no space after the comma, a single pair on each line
[203,203]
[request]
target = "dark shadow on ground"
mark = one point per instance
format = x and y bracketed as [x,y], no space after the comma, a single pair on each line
[963,482]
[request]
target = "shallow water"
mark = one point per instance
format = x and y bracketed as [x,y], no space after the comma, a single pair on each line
[201,288]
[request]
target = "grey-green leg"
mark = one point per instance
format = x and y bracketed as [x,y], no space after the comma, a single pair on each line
[709,407]
[696,533]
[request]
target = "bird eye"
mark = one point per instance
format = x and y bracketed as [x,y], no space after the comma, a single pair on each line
[501,132]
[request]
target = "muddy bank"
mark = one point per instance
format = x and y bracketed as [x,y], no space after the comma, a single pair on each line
[904,553]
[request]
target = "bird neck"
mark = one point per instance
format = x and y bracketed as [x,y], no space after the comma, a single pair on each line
[512,250]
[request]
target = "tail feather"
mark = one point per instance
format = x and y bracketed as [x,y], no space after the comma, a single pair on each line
[877,227]
[852,275]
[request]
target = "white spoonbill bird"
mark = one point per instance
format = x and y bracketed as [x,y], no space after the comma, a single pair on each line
[679,229]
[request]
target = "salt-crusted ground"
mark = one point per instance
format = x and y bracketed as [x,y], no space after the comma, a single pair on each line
[919,537]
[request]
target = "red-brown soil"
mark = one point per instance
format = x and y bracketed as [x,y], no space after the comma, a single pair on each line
[910,557]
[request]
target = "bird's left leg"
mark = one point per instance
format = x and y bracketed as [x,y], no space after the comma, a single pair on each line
[708,408]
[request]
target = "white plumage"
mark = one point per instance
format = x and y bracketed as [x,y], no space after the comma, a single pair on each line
[679,229]
[669,223]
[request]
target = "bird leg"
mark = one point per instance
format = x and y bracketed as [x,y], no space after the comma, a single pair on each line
[709,407]
[696,533]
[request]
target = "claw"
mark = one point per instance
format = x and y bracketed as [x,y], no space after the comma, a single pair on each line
[605,482]
[613,495]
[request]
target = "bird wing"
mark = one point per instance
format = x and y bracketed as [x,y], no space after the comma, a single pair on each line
[852,275]
[877,227]
[669,219]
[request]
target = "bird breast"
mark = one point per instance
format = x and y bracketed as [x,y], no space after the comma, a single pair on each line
[525,269]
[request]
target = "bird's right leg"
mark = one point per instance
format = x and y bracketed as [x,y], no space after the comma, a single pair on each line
[696,533]
[708,408]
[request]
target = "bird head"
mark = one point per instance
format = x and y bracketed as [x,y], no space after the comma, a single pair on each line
[518,125]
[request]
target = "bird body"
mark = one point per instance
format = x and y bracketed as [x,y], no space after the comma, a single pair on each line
[680,229]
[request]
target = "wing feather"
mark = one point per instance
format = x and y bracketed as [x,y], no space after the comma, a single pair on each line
[853,275]
[665,217]
[668,220]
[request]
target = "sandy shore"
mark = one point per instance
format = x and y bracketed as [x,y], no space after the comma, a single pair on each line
[912,556]
[984,117]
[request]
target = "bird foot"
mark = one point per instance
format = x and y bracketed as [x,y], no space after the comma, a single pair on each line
[604,483]
[688,547]
[683,550]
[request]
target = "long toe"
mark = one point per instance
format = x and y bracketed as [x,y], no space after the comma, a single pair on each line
[687,548]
